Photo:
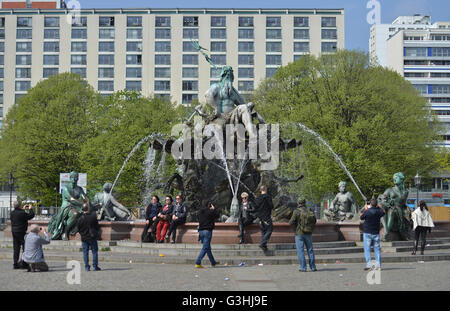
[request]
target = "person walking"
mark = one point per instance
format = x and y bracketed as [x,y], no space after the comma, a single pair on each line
[372,215]
[178,218]
[304,221]
[33,255]
[19,226]
[89,230]
[164,220]
[264,206]
[206,217]
[422,223]
[151,220]
[245,216]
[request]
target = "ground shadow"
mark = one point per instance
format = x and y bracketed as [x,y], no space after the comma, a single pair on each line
[331,269]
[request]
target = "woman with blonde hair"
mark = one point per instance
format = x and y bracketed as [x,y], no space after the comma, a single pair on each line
[422,223]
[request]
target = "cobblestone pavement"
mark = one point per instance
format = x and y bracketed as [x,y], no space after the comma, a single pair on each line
[430,276]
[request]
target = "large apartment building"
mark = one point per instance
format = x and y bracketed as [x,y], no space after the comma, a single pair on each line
[150,50]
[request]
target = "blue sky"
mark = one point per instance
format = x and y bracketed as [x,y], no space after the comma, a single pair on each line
[356,26]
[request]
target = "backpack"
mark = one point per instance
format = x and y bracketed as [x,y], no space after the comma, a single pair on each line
[307,220]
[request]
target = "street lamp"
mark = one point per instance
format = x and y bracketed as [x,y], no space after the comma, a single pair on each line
[11,185]
[417,180]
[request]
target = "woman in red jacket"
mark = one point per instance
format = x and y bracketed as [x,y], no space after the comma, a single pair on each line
[164,220]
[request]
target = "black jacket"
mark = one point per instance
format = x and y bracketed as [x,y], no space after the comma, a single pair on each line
[180,211]
[19,220]
[264,206]
[371,219]
[206,218]
[152,210]
[166,214]
[88,227]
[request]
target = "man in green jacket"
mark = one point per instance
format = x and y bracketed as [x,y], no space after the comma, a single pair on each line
[304,221]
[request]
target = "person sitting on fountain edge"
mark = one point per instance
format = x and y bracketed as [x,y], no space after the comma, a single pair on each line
[151,220]
[178,217]
[164,220]
[245,215]
[264,207]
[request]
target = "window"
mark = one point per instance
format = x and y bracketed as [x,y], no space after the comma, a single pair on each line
[440,75]
[422,88]
[134,59]
[219,59]
[2,22]
[134,72]
[440,89]
[23,47]
[79,33]
[2,75]
[106,21]
[24,33]
[78,21]
[215,72]
[165,97]
[51,21]
[301,21]
[24,21]
[23,73]
[273,46]
[328,21]
[190,85]
[218,21]
[51,33]
[48,72]
[134,33]
[414,74]
[51,46]
[189,59]
[415,52]
[246,47]
[162,46]
[301,33]
[23,59]
[218,46]
[162,59]
[245,86]
[162,33]
[106,72]
[441,52]
[2,47]
[270,72]
[218,33]
[106,33]
[78,46]
[162,85]
[2,59]
[245,33]
[134,46]
[51,59]
[23,85]
[106,46]
[246,60]
[2,33]
[273,33]
[188,47]
[273,21]
[329,46]
[441,100]
[273,59]
[17,97]
[301,47]
[245,73]
[134,85]
[78,59]
[162,21]
[329,34]
[245,21]
[189,21]
[107,86]
[188,98]
[80,71]
[162,72]
[190,33]
[134,21]
[190,72]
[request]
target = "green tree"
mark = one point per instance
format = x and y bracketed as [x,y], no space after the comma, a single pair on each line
[43,134]
[373,118]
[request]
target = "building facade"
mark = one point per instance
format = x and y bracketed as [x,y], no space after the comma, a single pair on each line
[149,50]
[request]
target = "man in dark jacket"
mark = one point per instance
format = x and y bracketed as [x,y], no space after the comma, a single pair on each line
[206,217]
[264,206]
[151,220]
[178,217]
[89,230]
[19,226]
[371,216]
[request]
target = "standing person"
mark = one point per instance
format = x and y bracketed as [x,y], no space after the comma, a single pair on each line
[33,254]
[151,220]
[164,220]
[89,230]
[304,221]
[19,226]
[206,217]
[422,223]
[264,208]
[245,216]
[372,215]
[178,217]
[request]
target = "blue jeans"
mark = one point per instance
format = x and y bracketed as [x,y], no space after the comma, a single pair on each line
[368,238]
[301,241]
[92,244]
[205,236]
